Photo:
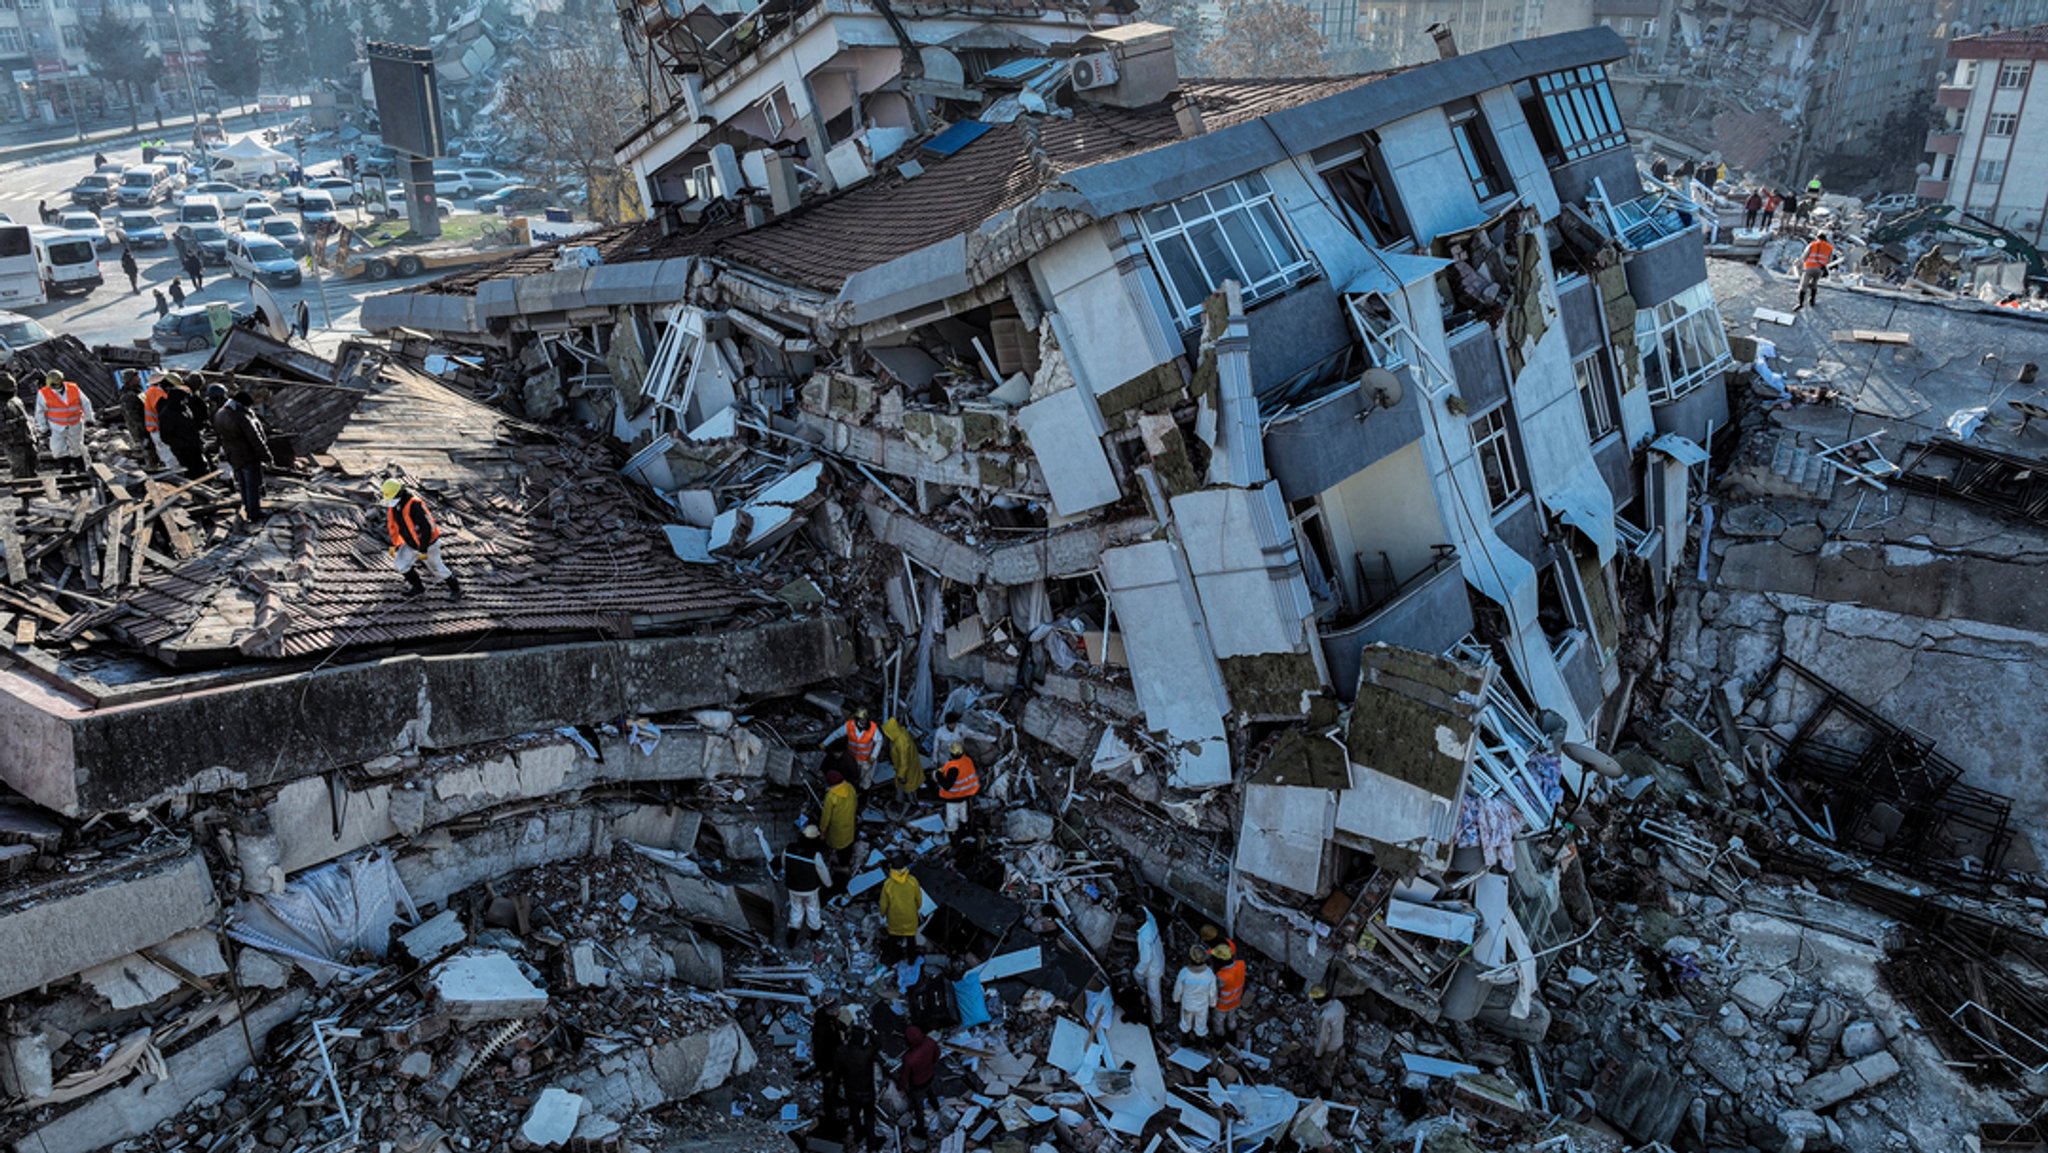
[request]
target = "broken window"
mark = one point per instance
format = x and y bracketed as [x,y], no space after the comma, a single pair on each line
[1681,343]
[1572,113]
[1477,149]
[1595,394]
[1556,614]
[1231,232]
[1365,196]
[1492,445]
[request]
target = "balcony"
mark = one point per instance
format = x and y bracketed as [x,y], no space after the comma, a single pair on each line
[1931,189]
[1952,96]
[1943,143]
[1428,611]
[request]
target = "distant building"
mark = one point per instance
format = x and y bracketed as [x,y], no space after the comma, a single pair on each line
[1988,154]
[1398,30]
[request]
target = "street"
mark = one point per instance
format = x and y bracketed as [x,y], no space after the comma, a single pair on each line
[111,314]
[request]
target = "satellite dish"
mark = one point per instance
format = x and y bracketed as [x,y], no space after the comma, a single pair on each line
[1595,760]
[1382,386]
[275,319]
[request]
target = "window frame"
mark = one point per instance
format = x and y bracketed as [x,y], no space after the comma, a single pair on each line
[1989,170]
[1479,152]
[1596,395]
[1493,436]
[2014,73]
[1238,210]
[1572,113]
[1685,329]
[1997,120]
[1366,157]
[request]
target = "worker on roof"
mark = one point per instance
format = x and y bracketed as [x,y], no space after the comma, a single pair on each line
[1230,974]
[959,783]
[804,875]
[62,413]
[246,445]
[1194,990]
[1329,1047]
[1813,268]
[1813,188]
[17,432]
[902,912]
[182,421]
[152,416]
[837,819]
[135,416]
[414,535]
[904,759]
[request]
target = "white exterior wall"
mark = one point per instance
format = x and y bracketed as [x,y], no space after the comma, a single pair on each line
[2019,201]
[1387,507]
[1109,327]
[1431,178]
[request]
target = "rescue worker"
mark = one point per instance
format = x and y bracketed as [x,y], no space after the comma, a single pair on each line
[1813,268]
[863,742]
[1772,202]
[827,1034]
[804,874]
[17,432]
[216,396]
[152,415]
[135,416]
[905,761]
[182,419]
[918,1076]
[1194,990]
[1813,189]
[246,446]
[902,909]
[1230,974]
[959,782]
[1752,208]
[859,1066]
[838,819]
[1151,967]
[1328,1052]
[62,413]
[415,536]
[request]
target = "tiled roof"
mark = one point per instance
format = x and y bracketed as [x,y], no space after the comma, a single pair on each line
[826,241]
[2029,43]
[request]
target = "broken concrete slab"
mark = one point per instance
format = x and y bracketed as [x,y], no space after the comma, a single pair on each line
[130,982]
[486,986]
[434,936]
[1838,1085]
[1758,994]
[552,1120]
[46,937]
[641,1080]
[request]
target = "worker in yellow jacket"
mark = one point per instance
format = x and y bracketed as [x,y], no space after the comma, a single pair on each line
[902,910]
[909,764]
[839,819]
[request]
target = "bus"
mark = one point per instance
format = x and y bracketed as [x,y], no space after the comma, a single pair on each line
[21,274]
[69,262]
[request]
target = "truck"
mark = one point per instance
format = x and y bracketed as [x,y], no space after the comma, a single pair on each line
[1887,240]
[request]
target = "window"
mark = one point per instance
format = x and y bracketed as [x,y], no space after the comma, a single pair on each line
[1594,395]
[1572,113]
[1628,25]
[1556,615]
[1966,74]
[1990,171]
[74,37]
[1230,232]
[2013,74]
[10,40]
[1365,197]
[1496,458]
[1681,343]
[2001,123]
[1476,149]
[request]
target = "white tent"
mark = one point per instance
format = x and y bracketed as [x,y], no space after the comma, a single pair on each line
[253,158]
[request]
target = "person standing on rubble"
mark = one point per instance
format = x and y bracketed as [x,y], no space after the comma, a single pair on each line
[1752,208]
[17,432]
[1194,990]
[134,416]
[415,537]
[959,783]
[805,874]
[152,415]
[838,820]
[905,762]
[902,903]
[1772,202]
[182,420]
[246,445]
[1230,974]
[1813,268]
[863,741]
[62,413]
[1151,968]
[1329,1046]
[859,1067]
[828,1033]
[918,1076]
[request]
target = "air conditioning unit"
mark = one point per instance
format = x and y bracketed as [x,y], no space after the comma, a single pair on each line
[1095,70]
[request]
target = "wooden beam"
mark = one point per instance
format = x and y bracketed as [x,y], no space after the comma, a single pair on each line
[10,539]
[137,545]
[25,632]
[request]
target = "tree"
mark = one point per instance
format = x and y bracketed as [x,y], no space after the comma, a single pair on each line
[1265,38]
[286,52]
[1190,30]
[233,58]
[571,98]
[118,51]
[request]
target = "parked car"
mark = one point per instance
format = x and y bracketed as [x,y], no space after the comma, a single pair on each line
[257,211]
[379,161]
[395,205]
[516,198]
[197,209]
[18,332]
[1893,203]
[315,207]
[210,240]
[230,196]
[190,329]
[340,188]
[286,231]
[85,225]
[463,183]
[141,230]
[254,256]
[96,189]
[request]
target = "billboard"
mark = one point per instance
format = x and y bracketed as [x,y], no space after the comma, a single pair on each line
[408,101]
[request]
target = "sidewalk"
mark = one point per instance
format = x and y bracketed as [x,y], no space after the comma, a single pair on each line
[176,129]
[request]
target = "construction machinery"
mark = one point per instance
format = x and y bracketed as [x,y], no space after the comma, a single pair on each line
[1888,240]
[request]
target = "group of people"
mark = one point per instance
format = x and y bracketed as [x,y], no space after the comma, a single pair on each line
[847,1054]
[1762,207]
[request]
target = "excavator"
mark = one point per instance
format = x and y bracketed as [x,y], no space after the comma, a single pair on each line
[1938,218]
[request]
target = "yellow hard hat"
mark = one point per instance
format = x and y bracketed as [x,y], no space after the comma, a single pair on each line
[391,489]
[1223,953]
[958,748]
[173,380]
[53,377]
[1317,992]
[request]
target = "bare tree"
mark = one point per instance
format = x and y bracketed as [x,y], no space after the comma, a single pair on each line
[568,101]
[1265,38]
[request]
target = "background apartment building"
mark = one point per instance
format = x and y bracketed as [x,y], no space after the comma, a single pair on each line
[1988,151]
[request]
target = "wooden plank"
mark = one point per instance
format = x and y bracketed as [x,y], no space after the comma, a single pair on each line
[137,545]
[10,539]
[25,632]
[50,487]
[179,526]
[110,559]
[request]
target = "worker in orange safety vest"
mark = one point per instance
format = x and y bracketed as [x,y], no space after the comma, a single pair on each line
[62,413]
[1813,268]
[959,782]
[414,536]
[1229,986]
[863,744]
[151,424]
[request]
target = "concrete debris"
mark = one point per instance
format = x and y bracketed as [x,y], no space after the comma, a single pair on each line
[552,1120]
[486,986]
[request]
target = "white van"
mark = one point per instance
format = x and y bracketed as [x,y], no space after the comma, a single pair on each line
[143,185]
[69,263]
[200,210]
